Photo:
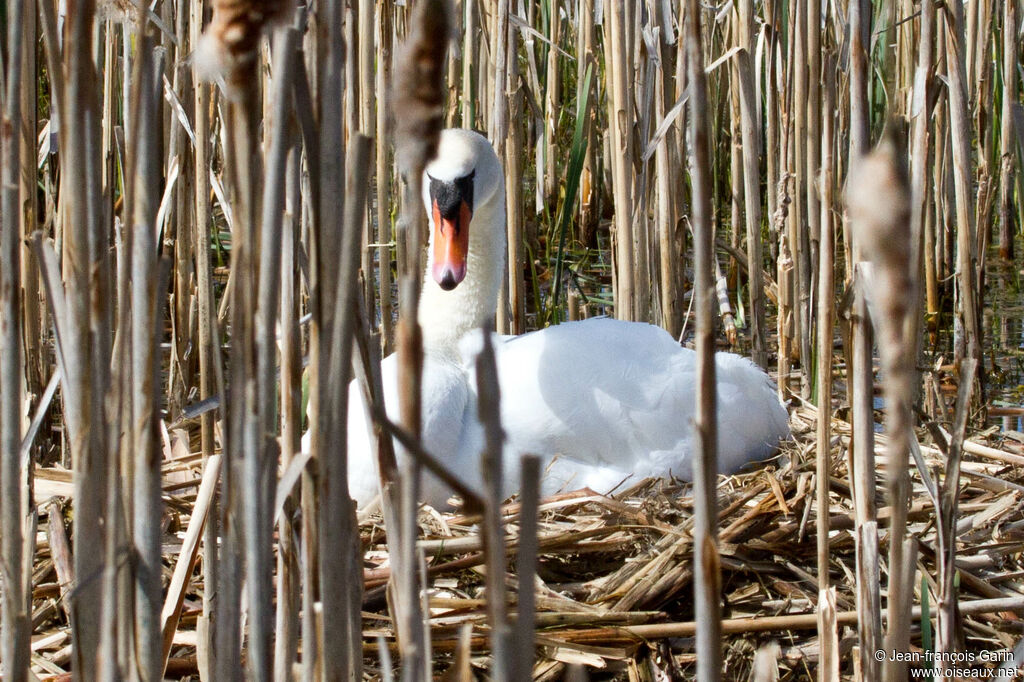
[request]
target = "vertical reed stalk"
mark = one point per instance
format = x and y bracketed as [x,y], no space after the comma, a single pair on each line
[342,587]
[828,667]
[385,13]
[752,189]
[1011,42]
[868,599]
[261,465]
[514,188]
[207,355]
[707,576]
[666,169]
[552,99]
[469,59]
[620,113]
[585,57]
[419,94]
[16,606]
[144,163]
[288,577]
[968,343]
[526,569]
[798,221]
[84,378]
[368,126]
[493,528]
[498,134]
[919,152]
[859,28]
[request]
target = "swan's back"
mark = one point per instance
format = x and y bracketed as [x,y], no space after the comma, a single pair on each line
[615,399]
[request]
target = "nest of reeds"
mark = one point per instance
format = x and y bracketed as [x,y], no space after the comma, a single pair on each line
[614,589]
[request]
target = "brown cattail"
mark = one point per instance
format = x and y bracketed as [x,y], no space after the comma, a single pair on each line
[878,198]
[232,37]
[419,85]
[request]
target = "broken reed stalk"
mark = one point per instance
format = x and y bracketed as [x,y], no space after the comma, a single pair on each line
[523,637]
[493,529]
[147,506]
[947,619]
[828,635]
[878,201]
[707,576]
[16,606]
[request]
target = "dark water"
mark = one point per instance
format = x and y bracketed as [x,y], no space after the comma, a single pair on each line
[1004,337]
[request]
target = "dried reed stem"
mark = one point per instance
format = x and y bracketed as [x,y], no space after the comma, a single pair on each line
[16,606]
[620,112]
[828,667]
[707,576]
[144,164]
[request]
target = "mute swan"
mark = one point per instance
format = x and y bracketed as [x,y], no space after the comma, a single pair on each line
[611,399]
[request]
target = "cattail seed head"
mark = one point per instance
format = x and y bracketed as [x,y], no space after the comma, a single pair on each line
[231,40]
[878,201]
[419,92]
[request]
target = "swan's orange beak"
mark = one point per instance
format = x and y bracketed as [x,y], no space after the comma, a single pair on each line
[451,245]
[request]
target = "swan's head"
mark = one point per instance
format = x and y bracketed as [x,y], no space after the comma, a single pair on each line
[464,194]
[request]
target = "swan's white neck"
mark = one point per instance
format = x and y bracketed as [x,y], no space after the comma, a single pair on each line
[447,316]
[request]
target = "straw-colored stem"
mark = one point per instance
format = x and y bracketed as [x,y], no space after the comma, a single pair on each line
[1011,42]
[385,14]
[146,491]
[620,113]
[514,160]
[16,606]
[261,464]
[493,529]
[752,195]
[288,576]
[920,156]
[707,577]
[967,343]
[829,664]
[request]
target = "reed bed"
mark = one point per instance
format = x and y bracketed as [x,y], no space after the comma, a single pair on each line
[210,223]
[615,572]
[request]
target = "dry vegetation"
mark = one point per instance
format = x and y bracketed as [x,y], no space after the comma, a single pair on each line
[184,265]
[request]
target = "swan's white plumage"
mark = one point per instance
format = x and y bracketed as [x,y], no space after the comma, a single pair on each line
[600,400]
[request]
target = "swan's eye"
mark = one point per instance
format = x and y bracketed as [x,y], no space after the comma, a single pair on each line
[450,195]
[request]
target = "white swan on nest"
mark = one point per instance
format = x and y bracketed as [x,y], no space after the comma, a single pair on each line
[600,400]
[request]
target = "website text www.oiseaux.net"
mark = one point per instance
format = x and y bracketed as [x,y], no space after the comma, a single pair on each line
[955,664]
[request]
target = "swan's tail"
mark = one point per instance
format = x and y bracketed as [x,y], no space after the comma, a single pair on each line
[751,419]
